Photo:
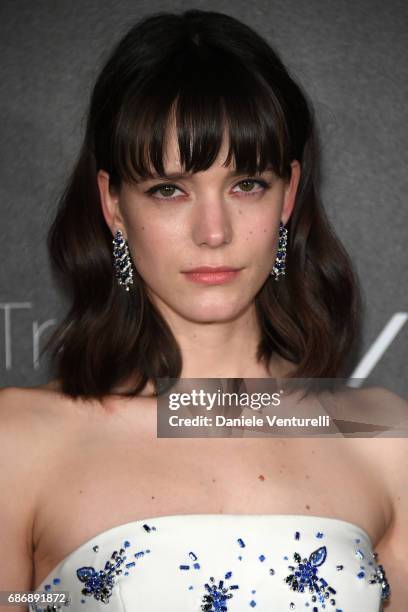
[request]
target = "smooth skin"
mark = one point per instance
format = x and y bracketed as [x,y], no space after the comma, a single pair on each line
[70,470]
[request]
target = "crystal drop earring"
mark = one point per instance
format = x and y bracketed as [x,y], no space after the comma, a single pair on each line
[279,267]
[121,261]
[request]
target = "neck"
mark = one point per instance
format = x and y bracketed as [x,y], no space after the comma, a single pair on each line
[222,349]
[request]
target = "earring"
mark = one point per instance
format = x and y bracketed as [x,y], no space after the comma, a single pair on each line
[121,261]
[279,267]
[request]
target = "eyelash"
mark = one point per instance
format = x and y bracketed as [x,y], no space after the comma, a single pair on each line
[264,184]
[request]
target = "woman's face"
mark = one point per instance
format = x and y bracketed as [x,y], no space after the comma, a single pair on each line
[210,218]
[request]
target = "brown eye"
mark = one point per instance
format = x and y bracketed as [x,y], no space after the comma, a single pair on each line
[165,192]
[248,185]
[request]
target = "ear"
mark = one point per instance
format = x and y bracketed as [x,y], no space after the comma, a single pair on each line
[290,192]
[110,203]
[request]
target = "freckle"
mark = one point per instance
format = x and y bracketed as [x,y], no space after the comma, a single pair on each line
[213,479]
[261,477]
[153,497]
[307,507]
[80,491]
[143,227]
[307,477]
[251,232]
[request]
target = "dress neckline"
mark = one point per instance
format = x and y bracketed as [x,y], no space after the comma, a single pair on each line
[171,517]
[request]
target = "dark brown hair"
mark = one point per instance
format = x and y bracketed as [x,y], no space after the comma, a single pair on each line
[213,71]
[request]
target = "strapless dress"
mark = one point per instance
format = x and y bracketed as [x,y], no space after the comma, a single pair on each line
[223,563]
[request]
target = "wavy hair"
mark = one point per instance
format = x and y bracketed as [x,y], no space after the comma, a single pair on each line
[214,73]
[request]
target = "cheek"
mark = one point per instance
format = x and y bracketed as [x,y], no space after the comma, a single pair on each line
[260,236]
[152,244]
[259,243]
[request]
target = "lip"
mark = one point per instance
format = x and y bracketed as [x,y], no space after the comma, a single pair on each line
[212,269]
[208,275]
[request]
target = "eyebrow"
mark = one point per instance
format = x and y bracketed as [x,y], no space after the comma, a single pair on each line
[179,175]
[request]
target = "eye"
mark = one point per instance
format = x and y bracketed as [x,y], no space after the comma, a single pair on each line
[165,190]
[248,184]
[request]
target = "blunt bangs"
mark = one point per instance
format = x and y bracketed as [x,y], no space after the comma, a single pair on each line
[208,95]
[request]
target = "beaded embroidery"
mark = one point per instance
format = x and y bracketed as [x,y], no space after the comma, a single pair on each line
[217,596]
[99,584]
[304,576]
[379,576]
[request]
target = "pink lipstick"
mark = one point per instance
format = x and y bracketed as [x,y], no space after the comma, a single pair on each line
[212,275]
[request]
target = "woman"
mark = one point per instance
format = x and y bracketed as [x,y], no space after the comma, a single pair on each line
[200,151]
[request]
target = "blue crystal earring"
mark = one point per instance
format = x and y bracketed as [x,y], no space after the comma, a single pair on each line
[279,267]
[121,261]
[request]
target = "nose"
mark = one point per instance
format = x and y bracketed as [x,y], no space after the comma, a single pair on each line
[211,223]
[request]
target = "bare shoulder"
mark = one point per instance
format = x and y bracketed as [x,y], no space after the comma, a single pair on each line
[23,461]
[382,413]
[371,405]
[386,450]
[383,401]
[392,443]
[30,408]
[378,420]
[37,422]
[29,416]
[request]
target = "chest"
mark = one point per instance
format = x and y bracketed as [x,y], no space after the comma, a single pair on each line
[111,479]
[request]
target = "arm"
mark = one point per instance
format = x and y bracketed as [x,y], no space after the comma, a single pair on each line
[17,496]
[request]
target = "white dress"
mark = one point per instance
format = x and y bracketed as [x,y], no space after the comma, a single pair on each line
[223,563]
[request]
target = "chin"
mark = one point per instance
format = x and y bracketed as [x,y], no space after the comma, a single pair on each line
[213,313]
[210,308]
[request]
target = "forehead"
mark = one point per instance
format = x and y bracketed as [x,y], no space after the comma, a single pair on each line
[171,152]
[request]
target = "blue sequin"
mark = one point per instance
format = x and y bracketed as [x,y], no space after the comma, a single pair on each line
[217,597]
[304,576]
[100,583]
